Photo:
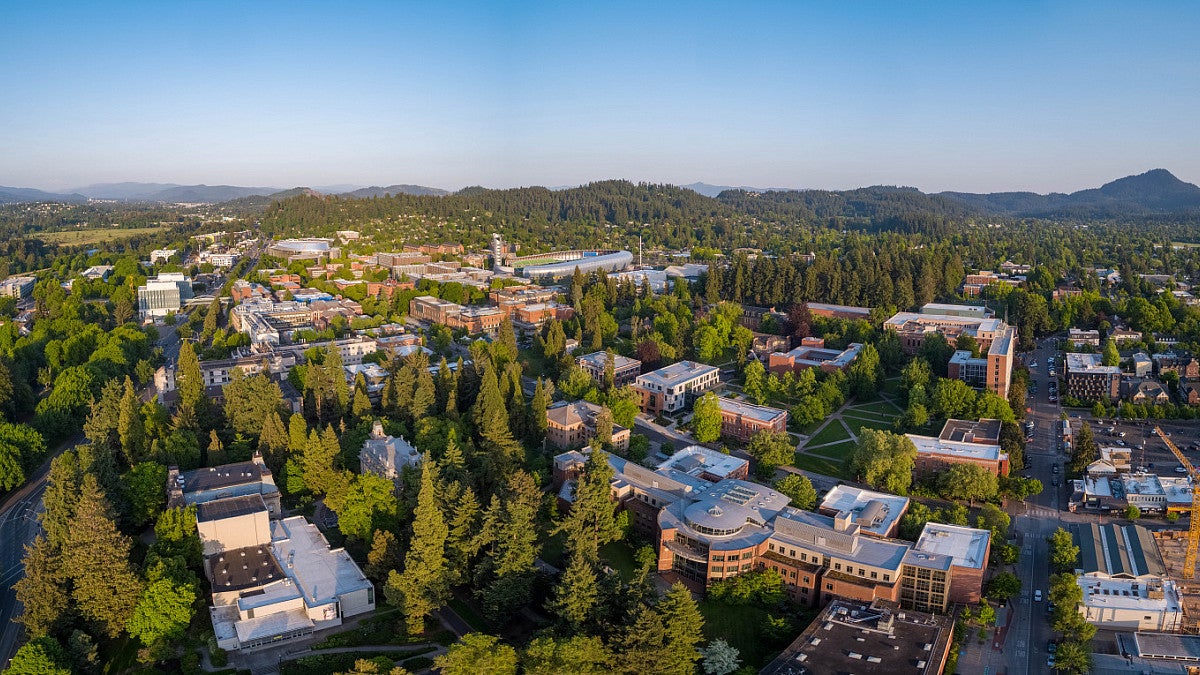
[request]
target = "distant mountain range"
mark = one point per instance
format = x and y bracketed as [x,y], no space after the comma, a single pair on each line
[1153,192]
[1156,191]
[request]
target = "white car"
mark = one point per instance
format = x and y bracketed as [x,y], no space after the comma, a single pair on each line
[1037,595]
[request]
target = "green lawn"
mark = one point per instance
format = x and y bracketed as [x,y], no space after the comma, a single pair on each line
[619,556]
[892,385]
[867,416]
[837,451]
[881,407]
[741,627]
[857,425]
[821,465]
[467,613]
[832,433]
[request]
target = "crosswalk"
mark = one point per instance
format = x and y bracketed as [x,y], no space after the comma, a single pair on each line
[1042,512]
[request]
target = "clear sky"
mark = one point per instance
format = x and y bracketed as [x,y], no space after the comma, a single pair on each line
[955,95]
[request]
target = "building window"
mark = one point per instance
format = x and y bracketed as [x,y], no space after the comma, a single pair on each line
[837,566]
[874,575]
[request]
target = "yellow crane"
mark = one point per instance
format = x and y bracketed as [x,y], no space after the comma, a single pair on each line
[1193,542]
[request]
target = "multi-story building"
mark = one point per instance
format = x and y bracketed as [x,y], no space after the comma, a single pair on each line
[812,354]
[912,329]
[876,513]
[1124,335]
[870,638]
[573,425]
[838,311]
[1137,390]
[1142,364]
[164,294]
[477,320]
[666,390]
[433,310]
[708,531]
[1083,338]
[935,454]
[1089,380]
[17,287]
[386,456]
[453,315]
[741,420]
[968,550]
[992,371]
[1182,363]
[272,579]
[698,461]
[162,255]
[1113,492]
[625,369]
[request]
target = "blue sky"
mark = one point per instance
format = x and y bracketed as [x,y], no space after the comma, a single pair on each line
[940,95]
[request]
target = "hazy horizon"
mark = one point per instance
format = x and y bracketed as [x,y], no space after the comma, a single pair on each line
[986,97]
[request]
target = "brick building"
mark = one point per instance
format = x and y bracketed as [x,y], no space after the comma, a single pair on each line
[741,420]
[812,354]
[573,425]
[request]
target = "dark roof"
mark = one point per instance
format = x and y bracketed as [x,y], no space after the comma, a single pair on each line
[226,475]
[242,568]
[231,507]
[1118,550]
[970,431]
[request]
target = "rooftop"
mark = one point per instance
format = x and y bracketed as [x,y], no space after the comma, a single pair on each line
[322,574]
[1089,363]
[933,308]
[966,545]
[599,360]
[224,476]
[817,532]
[971,431]
[677,373]
[761,413]
[1126,551]
[231,507]
[874,512]
[1129,594]
[695,460]
[816,356]
[875,639]
[928,445]
[1165,646]
[242,568]
[272,625]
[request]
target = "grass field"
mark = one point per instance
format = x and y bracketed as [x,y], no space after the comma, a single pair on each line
[95,235]
[821,465]
[878,407]
[833,432]
[856,425]
[838,451]
[740,625]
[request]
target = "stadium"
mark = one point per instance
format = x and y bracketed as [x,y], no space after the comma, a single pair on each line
[304,249]
[559,264]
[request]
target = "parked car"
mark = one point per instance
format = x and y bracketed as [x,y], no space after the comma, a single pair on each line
[1180,469]
[1052,647]
[1037,595]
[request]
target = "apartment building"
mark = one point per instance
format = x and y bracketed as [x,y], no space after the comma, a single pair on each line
[812,354]
[1089,380]
[741,420]
[625,369]
[163,294]
[666,390]
[573,425]
[1124,335]
[1083,338]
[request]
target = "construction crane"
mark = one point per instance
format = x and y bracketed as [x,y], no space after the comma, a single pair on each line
[1193,542]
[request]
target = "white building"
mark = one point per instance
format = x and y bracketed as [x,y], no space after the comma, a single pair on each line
[162,255]
[1130,604]
[164,294]
[666,389]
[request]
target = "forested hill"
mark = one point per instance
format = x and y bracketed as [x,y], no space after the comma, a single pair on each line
[1153,192]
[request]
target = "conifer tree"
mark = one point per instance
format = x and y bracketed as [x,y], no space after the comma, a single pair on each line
[501,452]
[518,414]
[130,426]
[339,388]
[510,535]
[684,627]
[42,591]
[424,584]
[384,555]
[575,596]
[453,462]
[216,449]
[590,523]
[96,559]
[273,442]
[297,433]
[610,370]
[460,543]
[61,498]
[446,385]
[190,382]
[360,401]
[424,399]
[103,421]
[537,414]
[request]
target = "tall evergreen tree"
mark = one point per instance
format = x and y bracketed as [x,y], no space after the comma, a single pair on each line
[684,627]
[190,382]
[576,595]
[340,389]
[96,559]
[501,452]
[425,584]
[424,399]
[460,543]
[590,523]
[43,590]
[537,414]
[297,434]
[130,426]
[61,498]
[510,536]
[273,442]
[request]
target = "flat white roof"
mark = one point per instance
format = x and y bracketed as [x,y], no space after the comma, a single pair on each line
[697,459]
[966,545]
[843,498]
[757,412]
[272,624]
[1131,594]
[931,445]
[1089,363]
[322,574]
[600,359]
[677,373]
